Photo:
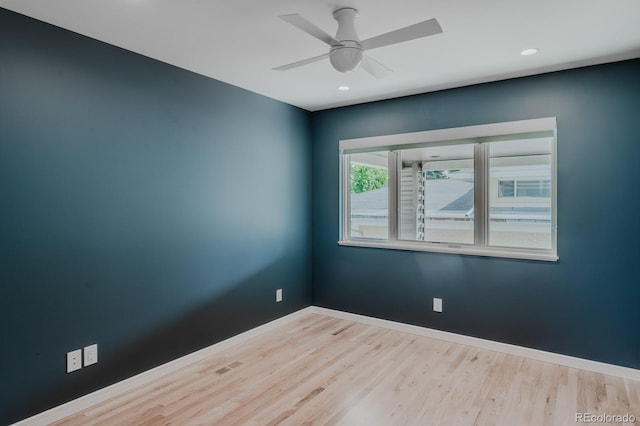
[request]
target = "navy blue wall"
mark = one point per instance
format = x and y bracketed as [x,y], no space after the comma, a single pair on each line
[587,304]
[142,207]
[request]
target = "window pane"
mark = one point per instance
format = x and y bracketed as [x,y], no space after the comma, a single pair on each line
[436,194]
[520,193]
[369,201]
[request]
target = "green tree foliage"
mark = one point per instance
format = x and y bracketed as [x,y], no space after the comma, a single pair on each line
[365,178]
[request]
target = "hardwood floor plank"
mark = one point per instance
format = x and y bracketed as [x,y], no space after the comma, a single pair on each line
[326,371]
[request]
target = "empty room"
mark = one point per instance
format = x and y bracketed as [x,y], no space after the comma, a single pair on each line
[319,212]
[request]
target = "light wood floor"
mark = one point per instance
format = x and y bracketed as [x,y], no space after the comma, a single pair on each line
[326,371]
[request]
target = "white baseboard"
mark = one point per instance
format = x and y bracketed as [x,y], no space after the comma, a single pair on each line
[564,360]
[101,395]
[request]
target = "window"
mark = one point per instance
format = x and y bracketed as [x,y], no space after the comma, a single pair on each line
[487,190]
[436,194]
[368,192]
[520,212]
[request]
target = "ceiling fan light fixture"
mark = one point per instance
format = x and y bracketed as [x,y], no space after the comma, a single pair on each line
[346,58]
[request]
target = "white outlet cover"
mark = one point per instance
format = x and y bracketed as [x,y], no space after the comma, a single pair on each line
[279,295]
[90,355]
[437,304]
[74,360]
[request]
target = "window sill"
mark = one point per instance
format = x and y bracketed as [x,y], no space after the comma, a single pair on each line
[450,249]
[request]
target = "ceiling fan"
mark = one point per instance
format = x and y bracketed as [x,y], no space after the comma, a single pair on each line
[346,51]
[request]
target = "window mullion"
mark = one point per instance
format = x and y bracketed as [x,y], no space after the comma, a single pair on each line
[346,196]
[393,183]
[480,196]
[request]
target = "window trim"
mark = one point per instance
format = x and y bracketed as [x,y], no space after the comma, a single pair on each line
[461,135]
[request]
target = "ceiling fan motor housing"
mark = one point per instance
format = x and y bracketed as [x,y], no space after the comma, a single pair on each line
[348,56]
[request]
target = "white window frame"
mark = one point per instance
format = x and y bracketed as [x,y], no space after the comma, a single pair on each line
[476,135]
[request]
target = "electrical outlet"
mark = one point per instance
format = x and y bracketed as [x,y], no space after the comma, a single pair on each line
[279,295]
[437,304]
[74,360]
[90,355]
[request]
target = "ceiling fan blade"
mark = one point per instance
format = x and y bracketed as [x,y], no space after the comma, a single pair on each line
[301,63]
[419,30]
[375,68]
[301,23]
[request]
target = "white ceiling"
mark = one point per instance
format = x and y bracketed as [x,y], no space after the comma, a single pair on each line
[240,41]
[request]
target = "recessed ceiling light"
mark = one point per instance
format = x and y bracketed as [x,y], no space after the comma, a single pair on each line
[527,52]
[343,88]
